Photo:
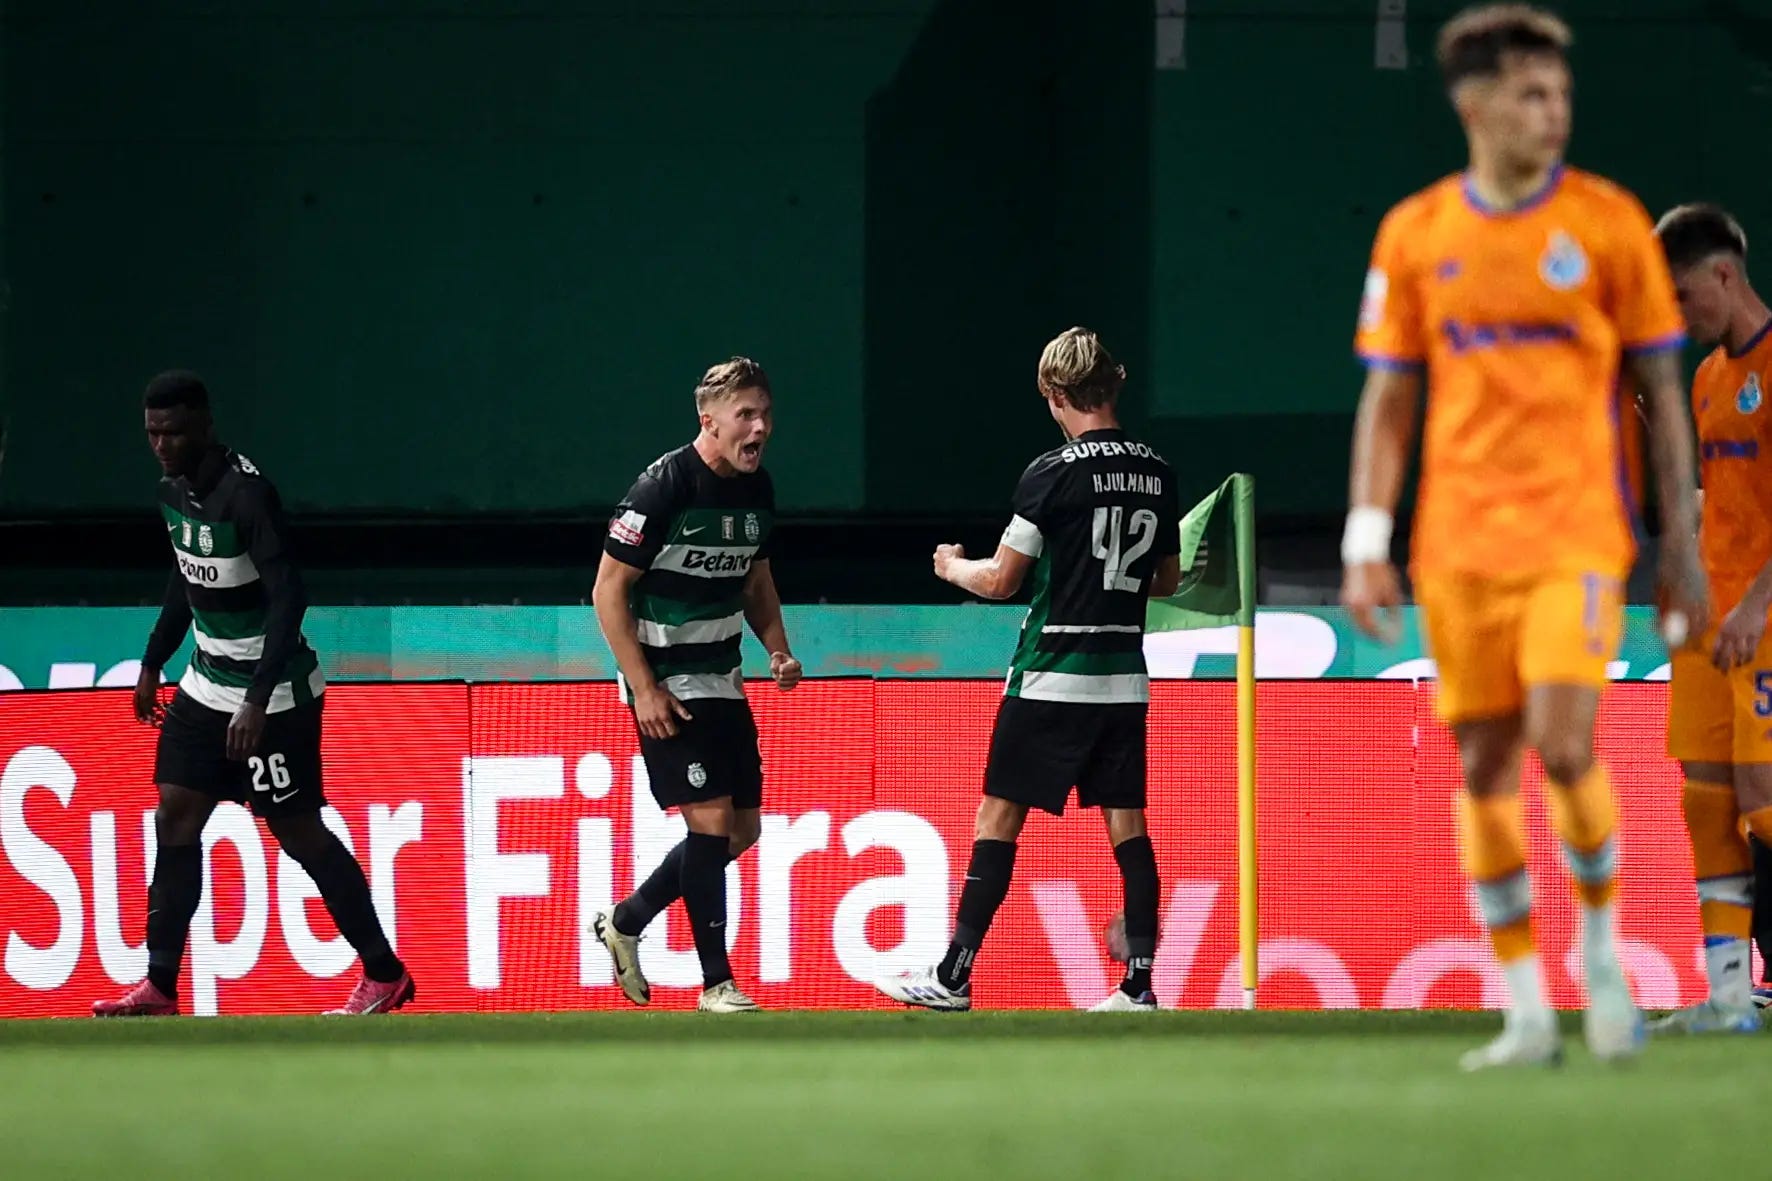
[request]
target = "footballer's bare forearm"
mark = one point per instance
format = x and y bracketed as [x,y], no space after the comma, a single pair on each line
[1670,444]
[1759,592]
[621,631]
[978,576]
[1384,430]
[762,609]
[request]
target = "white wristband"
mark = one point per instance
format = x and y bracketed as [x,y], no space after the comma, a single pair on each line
[1367,537]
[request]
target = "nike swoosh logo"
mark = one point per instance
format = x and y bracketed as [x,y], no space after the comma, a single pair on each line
[694,531]
[278,799]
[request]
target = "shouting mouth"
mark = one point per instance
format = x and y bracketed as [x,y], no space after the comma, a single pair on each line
[751,452]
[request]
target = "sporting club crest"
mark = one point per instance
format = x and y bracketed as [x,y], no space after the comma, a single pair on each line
[698,776]
[1563,265]
[753,529]
[206,540]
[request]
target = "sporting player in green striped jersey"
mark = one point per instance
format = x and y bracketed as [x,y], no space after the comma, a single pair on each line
[1096,529]
[685,566]
[245,723]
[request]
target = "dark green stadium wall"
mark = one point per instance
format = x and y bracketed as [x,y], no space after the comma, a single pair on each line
[445,256]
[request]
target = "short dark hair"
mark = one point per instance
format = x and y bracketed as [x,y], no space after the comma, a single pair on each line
[1692,233]
[728,377]
[176,387]
[1474,43]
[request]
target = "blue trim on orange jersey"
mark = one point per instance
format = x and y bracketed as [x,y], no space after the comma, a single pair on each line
[1661,344]
[1633,519]
[1469,188]
[1390,364]
[1752,343]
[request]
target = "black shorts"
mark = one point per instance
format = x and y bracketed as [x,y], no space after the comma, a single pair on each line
[714,754]
[282,778]
[1042,749]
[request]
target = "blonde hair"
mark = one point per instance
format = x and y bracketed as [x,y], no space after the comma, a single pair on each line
[1076,364]
[1473,43]
[727,378]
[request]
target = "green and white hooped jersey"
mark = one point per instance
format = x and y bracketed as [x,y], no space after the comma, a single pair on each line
[695,534]
[1097,515]
[226,529]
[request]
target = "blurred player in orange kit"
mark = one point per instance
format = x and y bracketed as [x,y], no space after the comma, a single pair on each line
[1512,291]
[1720,708]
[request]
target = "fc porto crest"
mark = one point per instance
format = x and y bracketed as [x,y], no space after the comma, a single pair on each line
[1749,396]
[1563,265]
[206,540]
[753,529]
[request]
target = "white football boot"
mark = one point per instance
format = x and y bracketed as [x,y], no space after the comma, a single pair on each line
[1612,1024]
[1524,1041]
[725,997]
[624,950]
[924,988]
[1118,1002]
[1708,1017]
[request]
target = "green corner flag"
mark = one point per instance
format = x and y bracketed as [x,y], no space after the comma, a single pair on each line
[1217,590]
[1217,563]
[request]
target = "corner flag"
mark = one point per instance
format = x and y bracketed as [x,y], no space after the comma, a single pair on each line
[1217,590]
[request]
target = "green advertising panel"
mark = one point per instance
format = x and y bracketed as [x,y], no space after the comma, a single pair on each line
[75,647]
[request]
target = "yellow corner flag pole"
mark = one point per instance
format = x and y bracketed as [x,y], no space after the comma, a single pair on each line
[1248,929]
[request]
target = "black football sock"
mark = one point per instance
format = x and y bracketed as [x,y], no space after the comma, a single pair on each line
[704,897]
[1762,916]
[172,900]
[661,888]
[987,884]
[1138,873]
[345,891]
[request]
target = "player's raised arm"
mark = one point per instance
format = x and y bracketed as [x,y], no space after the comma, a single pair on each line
[996,577]
[762,610]
[169,632]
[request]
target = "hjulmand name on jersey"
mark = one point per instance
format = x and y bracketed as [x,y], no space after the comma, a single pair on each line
[1085,449]
[1139,482]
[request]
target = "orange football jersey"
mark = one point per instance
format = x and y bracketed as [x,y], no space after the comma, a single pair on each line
[1520,319]
[1735,465]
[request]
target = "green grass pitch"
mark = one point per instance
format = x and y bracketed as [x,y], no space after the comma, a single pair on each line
[1269,1096]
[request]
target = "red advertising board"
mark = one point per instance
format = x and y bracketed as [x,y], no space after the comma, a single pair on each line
[492,820]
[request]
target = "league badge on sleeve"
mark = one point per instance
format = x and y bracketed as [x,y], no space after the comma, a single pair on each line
[628,527]
[1563,265]
[1749,396]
